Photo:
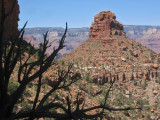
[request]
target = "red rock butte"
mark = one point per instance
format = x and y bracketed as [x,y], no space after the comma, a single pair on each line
[11,21]
[105,24]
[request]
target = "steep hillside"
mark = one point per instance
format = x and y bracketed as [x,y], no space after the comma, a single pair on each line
[108,55]
[111,49]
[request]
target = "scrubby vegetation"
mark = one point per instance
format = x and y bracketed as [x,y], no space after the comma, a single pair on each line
[26,92]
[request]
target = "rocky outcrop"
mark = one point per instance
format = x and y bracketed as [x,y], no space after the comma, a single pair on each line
[105,24]
[11,22]
[155,66]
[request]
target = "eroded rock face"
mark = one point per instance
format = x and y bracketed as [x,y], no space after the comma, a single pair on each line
[11,22]
[105,24]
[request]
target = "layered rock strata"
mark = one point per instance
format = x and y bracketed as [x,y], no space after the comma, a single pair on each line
[105,24]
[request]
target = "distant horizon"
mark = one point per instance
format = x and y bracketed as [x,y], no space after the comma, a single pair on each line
[55,13]
[89,26]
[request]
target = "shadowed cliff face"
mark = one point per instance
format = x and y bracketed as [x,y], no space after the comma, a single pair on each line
[105,24]
[11,22]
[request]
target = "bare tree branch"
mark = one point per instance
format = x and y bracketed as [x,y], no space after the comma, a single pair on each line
[27,74]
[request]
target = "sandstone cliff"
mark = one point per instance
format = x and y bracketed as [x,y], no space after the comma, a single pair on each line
[11,22]
[105,24]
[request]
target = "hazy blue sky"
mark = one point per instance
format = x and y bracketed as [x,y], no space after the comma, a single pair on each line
[80,13]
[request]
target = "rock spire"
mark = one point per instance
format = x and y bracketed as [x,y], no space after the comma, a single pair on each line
[105,24]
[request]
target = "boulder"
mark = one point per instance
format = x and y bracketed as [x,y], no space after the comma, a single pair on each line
[147,61]
[123,59]
[155,66]
[135,54]
[124,48]
[155,92]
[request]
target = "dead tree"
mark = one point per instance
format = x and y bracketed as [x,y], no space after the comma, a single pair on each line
[11,54]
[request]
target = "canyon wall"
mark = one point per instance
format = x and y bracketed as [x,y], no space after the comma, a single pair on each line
[148,36]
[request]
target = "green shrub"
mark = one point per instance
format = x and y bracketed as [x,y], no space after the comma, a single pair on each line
[102,36]
[131,52]
[12,86]
[88,77]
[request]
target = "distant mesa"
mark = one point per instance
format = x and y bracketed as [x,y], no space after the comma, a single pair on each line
[146,35]
[105,24]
